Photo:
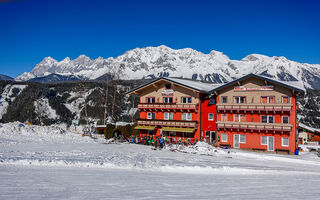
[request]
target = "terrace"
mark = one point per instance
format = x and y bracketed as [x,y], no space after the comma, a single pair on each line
[245,107]
[167,123]
[253,126]
[166,106]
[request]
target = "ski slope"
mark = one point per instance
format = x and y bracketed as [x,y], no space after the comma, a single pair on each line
[54,163]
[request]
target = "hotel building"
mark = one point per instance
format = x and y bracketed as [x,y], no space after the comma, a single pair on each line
[252,112]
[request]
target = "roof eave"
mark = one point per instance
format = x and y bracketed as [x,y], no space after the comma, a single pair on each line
[256,76]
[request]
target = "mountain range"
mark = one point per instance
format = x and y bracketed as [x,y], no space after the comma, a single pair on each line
[5,78]
[153,62]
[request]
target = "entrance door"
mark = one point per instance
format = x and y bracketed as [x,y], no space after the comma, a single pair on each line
[212,136]
[270,143]
[236,141]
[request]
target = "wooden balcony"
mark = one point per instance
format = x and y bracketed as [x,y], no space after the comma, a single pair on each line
[246,107]
[253,126]
[168,123]
[166,106]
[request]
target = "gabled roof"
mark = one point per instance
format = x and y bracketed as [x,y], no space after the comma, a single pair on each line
[301,125]
[192,84]
[294,85]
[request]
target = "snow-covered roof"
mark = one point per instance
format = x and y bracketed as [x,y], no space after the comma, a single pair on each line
[198,85]
[211,87]
[301,125]
[294,85]
[192,84]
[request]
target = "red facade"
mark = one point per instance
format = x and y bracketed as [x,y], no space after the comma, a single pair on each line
[259,114]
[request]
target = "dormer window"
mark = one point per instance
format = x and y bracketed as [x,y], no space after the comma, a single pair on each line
[151,99]
[239,99]
[267,99]
[186,99]
[285,99]
[167,100]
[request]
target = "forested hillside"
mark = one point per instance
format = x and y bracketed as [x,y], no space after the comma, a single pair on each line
[309,112]
[41,103]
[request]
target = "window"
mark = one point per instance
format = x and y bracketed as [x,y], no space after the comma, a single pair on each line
[186,116]
[269,99]
[212,101]
[167,99]
[151,99]
[224,99]
[168,86]
[285,141]
[210,117]
[224,117]
[267,119]
[186,99]
[285,119]
[270,119]
[264,140]
[151,115]
[264,119]
[243,139]
[239,118]
[285,99]
[239,99]
[224,137]
[168,116]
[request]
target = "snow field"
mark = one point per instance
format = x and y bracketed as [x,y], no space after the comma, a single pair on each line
[51,162]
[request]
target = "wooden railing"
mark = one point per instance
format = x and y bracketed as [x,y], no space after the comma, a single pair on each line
[165,106]
[169,123]
[254,107]
[221,125]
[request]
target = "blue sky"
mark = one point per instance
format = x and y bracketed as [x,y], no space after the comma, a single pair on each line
[33,29]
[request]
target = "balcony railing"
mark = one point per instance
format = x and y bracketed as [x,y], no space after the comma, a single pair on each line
[254,107]
[164,106]
[253,126]
[169,123]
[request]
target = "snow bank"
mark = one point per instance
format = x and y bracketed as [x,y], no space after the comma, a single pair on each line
[19,133]
[201,148]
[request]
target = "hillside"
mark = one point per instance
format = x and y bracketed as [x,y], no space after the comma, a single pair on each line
[5,77]
[41,103]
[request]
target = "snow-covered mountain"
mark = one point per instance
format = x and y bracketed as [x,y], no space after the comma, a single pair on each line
[54,78]
[151,62]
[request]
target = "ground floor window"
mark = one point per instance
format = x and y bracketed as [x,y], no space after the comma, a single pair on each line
[285,141]
[264,140]
[177,134]
[224,137]
[268,141]
[243,139]
[151,132]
